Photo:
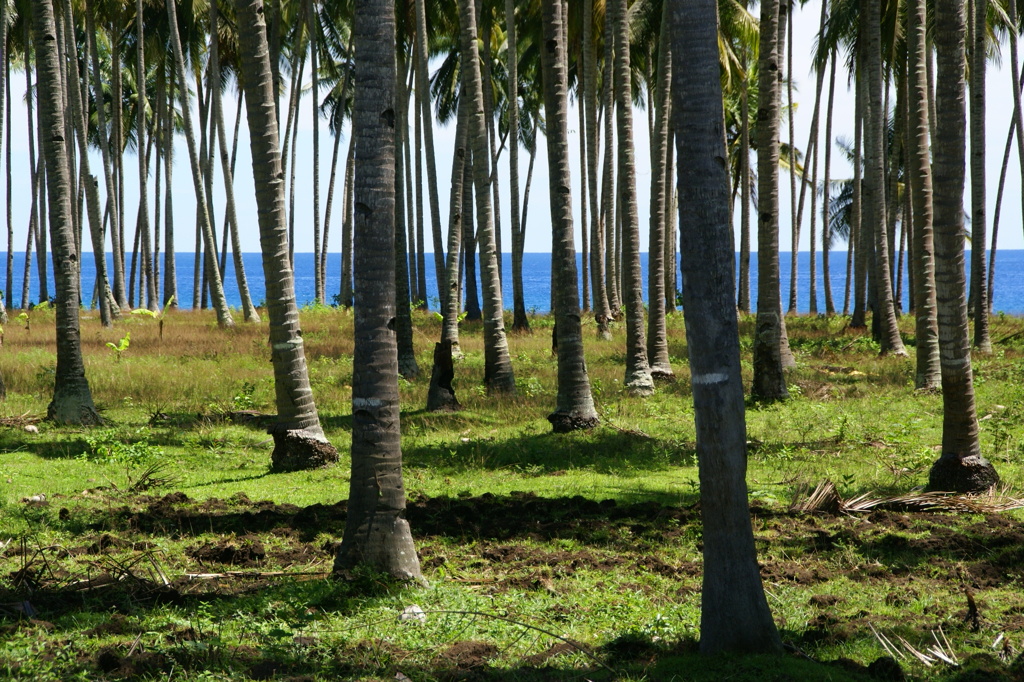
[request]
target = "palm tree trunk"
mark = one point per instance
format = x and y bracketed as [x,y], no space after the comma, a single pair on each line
[602,311]
[979,278]
[826,192]
[91,192]
[575,404]
[498,374]
[657,332]
[9,281]
[450,299]
[346,227]
[734,613]
[299,441]
[170,267]
[928,372]
[638,379]
[786,37]
[961,468]
[743,303]
[216,287]
[423,111]
[874,182]
[140,135]
[231,222]
[520,323]
[995,216]
[608,203]
[334,172]
[376,532]
[858,242]
[407,366]
[318,273]
[769,380]
[72,399]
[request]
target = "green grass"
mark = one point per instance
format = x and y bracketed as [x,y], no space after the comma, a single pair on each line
[548,556]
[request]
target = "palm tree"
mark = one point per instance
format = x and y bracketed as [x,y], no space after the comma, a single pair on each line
[638,373]
[769,380]
[519,320]
[734,610]
[602,310]
[928,373]
[575,408]
[202,207]
[960,468]
[497,365]
[72,399]
[874,180]
[979,279]
[423,114]
[299,441]
[376,532]
[657,332]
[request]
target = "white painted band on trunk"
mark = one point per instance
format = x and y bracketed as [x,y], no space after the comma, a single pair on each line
[366,402]
[955,362]
[712,378]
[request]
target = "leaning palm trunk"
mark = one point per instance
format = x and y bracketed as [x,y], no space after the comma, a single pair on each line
[407,366]
[874,182]
[299,441]
[92,197]
[519,320]
[220,302]
[961,468]
[423,112]
[450,301]
[769,380]
[498,374]
[231,223]
[376,532]
[734,613]
[826,234]
[919,171]
[575,408]
[72,400]
[638,373]
[979,280]
[657,332]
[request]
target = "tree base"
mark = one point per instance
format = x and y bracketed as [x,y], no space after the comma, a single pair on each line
[381,541]
[567,423]
[73,412]
[441,395]
[663,375]
[640,383]
[299,451]
[967,475]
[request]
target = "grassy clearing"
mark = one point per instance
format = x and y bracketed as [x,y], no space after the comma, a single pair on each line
[549,557]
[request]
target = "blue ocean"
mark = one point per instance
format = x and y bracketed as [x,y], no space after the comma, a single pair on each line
[1008,286]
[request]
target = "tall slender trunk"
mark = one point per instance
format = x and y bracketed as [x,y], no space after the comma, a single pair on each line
[995,216]
[72,400]
[91,191]
[602,311]
[874,182]
[657,332]
[450,299]
[346,227]
[769,380]
[826,234]
[520,322]
[231,222]
[638,373]
[9,281]
[170,267]
[608,193]
[961,468]
[793,212]
[575,404]
[743,303]
[498,374]
[407,366]
[423,111]
[377,534]
[216,287]
[857,241]
[314,67]
[140,136]
[979,278]
[1018,116]
[334,172]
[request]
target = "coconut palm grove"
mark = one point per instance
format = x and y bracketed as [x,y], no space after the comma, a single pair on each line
[739,395]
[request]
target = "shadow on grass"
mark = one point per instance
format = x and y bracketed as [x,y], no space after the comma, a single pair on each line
[603,450]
